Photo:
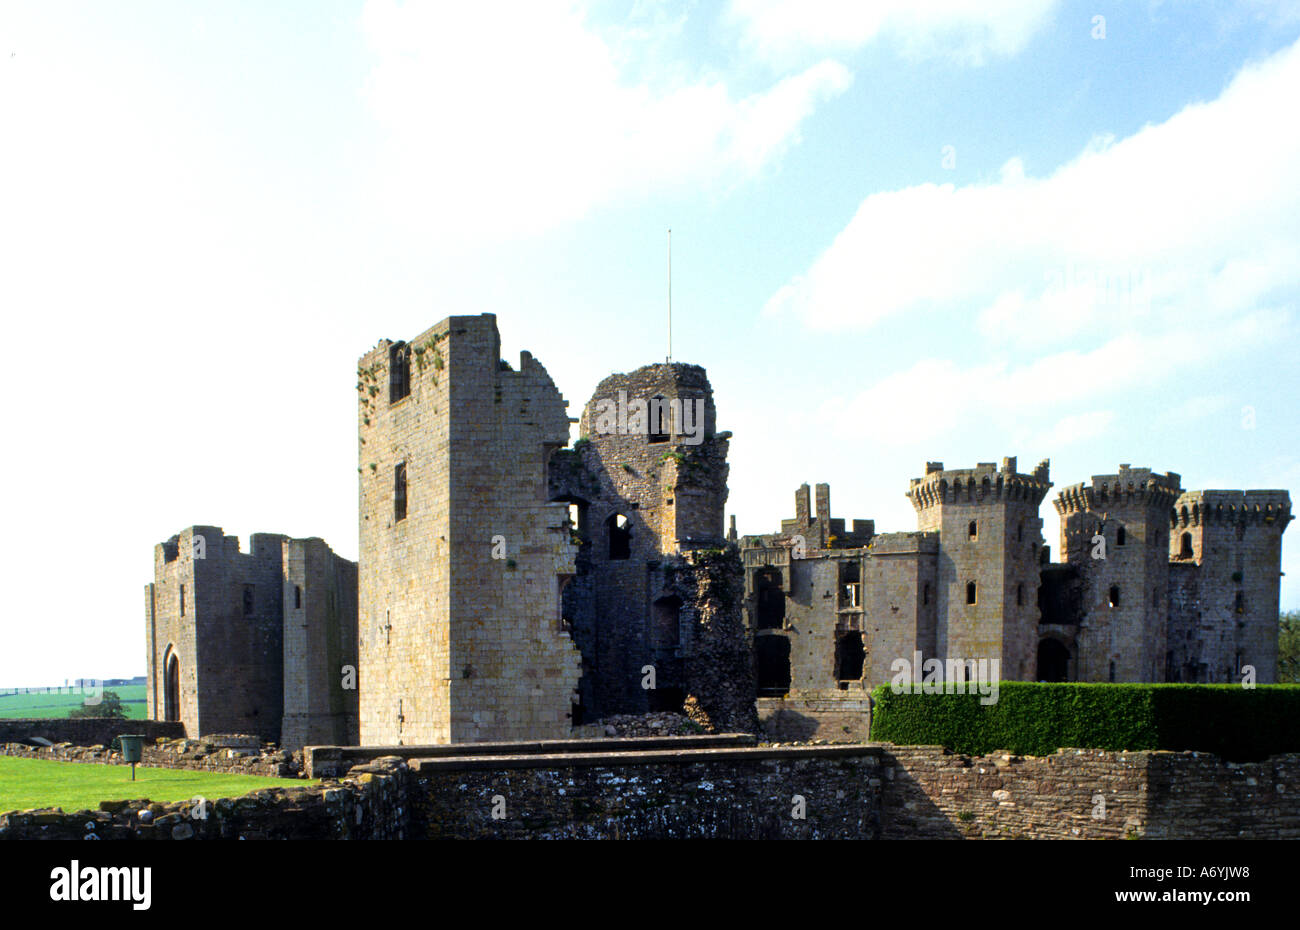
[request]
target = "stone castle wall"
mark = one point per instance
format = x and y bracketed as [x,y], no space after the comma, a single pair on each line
[876,791]
[455,643]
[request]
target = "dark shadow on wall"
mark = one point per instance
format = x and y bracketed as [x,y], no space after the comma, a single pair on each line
[906,811]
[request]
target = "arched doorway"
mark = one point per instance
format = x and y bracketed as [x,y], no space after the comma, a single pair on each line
[1053,660]
[172,688]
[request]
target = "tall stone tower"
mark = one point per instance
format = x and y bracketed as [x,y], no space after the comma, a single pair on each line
[1115,530]
[462,557]
[990,540]
[1225,552]
[646,482]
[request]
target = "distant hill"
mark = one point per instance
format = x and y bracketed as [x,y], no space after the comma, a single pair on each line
[56,702]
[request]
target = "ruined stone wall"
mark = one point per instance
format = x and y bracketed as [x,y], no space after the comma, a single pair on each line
[821,716]
[366,805]
[240,676]
[882,593]
[232,755]
[718,676]
[668,491]
[320,639]
[168,631]
[85,731]
[455,644]
[703,794]
[230,650]
[1086,794]
[899,583]
[514,668]
[403,583]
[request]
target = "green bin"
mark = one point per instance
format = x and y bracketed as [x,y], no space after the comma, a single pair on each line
[132,749]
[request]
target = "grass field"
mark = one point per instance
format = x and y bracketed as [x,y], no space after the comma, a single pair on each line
[74,786]
[57,705]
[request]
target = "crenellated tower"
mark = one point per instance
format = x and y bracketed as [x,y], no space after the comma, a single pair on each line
[1113,530]
[1225,556]
[990,540]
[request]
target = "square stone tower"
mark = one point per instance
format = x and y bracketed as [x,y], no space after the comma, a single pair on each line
[462,557]
[1225,552]
[215,628]
[990,540]
[1115,530]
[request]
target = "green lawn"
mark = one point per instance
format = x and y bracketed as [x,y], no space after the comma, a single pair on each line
[74,786]
[57,705]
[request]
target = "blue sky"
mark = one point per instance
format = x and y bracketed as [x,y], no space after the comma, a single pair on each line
[902,232]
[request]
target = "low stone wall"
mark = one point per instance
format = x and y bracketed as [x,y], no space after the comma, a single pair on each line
[1197,796]
[624,789]
[834,717]
[86,731]
[368,804]
[1087,794]
[742,793]
[331,761]
[236,755]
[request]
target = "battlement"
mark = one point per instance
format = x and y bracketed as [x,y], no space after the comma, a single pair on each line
[1129,487]
[1231,508]
[986,482]
[813,521]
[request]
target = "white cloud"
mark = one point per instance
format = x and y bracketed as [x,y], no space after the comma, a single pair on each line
[969,31]
[1075,428]
[504,120]
[1197,218]
[1004,397]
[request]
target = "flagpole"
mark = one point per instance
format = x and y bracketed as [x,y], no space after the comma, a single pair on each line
[670,296]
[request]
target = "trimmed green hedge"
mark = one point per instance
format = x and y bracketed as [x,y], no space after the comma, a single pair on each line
[1032,718]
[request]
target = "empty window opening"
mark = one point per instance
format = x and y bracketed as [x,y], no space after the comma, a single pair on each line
[970,592]
[659,419]
[399,492]
[972,530]
[850,585]
[1241,602]
[1053,660]
[620,537]
[399,372]
[667,623]
[1020,531]
[1112,670]
[182,600]
[849,656]
[1121,536]
[771,599]
[1114,595]
[773,664]
[248,600]
[297,597]
[1185,550]
[1020,595]
[925,594]
[577,518]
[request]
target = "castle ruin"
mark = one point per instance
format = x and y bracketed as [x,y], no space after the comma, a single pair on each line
[511,586]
